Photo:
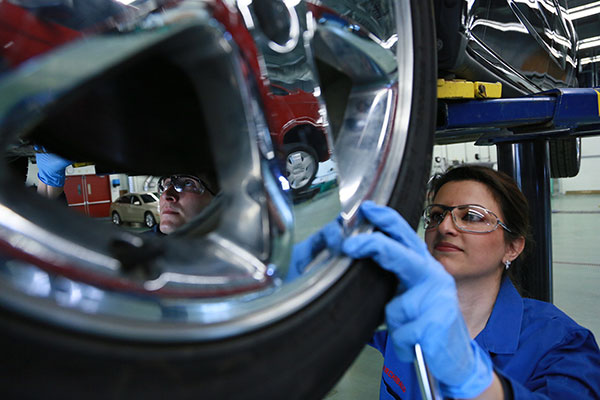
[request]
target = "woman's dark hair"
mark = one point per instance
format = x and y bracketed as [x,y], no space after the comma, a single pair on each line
[513,203]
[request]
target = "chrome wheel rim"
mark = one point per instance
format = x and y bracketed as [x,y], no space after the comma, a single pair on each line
[376,116]
[149,220]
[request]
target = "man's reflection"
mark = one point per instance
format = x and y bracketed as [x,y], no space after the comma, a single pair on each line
[181,198]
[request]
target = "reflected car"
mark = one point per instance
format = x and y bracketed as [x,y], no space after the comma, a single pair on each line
[136,207]
[298,131]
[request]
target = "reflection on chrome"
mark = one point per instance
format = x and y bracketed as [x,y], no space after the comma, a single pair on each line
[363,143]
[46,246]
[173,277]
[547,38]
[260,98]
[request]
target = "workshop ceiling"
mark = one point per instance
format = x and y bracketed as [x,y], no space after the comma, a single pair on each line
[585,15]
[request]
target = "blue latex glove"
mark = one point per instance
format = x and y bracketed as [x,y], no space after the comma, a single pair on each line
[330,236]
[51,169]
[427,312]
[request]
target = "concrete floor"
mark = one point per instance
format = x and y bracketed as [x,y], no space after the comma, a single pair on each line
[576,273]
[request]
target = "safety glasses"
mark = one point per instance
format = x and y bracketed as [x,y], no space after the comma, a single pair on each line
[467,218]
[182,183]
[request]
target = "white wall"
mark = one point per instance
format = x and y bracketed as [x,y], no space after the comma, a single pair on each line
[133,184]
[459,153]
[589,173]
[587,179]
[143,183]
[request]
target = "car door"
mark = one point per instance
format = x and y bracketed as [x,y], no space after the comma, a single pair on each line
[137,210]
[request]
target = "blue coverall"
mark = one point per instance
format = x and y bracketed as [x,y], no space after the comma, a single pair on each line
[542,353]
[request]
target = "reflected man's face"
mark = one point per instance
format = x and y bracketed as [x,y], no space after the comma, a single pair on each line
[177,207]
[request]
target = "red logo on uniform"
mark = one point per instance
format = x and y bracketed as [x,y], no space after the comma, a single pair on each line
[393,377]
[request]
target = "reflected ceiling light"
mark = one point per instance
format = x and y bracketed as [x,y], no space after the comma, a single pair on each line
[547,4]
[386,44]
[285,184]
[585,10]
[244,7]
[126,2]
[588,43]
[504,27]
[555,37]
[589,60]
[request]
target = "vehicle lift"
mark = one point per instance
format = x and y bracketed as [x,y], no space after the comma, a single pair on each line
[521,129]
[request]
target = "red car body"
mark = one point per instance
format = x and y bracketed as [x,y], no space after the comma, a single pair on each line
[294,116]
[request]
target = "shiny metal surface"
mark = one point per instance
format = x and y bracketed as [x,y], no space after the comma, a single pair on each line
[530,44]
[430,389]
[222,274]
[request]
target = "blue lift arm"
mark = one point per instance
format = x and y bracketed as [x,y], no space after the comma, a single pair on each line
[559,108]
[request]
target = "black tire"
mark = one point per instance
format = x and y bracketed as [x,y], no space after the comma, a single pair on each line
[408,196]
[149,220]
[299,357]
[565,157]
[116,218]
[301,166]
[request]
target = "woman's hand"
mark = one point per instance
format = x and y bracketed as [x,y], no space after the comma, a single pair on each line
[426,310]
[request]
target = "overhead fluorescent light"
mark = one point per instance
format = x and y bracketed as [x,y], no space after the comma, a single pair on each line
[589,60]
[588,43]
[584,11]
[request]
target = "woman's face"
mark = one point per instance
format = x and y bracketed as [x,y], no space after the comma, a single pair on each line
[468,255]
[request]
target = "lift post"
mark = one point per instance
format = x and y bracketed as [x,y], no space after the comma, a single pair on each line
[521,128]
[528,163]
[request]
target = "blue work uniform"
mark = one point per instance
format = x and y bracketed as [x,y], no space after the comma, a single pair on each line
[538,349]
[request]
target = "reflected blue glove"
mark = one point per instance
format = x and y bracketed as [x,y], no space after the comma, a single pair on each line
[51,169]
[427,312]
[330,236]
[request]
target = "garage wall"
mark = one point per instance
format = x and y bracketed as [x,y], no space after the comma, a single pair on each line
[445,156]
[588,178]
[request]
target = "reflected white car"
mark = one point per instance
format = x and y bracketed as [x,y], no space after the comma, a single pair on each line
[136,207]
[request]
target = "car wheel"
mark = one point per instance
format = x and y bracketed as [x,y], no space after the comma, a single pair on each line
[301,165]
[116,218]
[565,157]
[149,220]
[199,335]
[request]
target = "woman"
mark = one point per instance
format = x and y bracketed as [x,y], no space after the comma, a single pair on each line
[479,337]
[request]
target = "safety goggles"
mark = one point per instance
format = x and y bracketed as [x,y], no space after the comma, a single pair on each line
[467,218]
[182,183]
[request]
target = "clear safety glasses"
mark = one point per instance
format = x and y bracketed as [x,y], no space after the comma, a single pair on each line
[182,183]
[466,217]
